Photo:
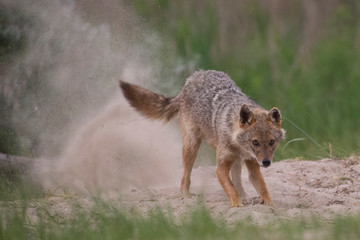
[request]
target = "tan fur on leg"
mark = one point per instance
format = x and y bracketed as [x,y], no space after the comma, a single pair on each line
[258,182]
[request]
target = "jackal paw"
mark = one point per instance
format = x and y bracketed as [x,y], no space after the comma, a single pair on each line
[236,203]
[268,203]
[188,195]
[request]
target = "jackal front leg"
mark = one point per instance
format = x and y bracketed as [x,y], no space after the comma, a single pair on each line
[236,177]
[258,182]
[223,174]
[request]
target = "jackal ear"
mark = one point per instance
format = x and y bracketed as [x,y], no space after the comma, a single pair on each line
[246,115]
[275,116]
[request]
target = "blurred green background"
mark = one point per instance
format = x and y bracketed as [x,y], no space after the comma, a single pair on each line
[301,56]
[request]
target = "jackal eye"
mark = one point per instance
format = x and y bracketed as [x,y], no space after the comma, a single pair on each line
[255,142]
[272,142]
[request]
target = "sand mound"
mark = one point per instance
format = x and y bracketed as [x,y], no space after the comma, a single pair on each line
[300,189]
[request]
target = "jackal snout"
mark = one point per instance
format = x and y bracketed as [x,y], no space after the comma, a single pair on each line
[266,162]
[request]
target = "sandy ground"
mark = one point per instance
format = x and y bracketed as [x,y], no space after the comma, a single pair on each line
[300,189]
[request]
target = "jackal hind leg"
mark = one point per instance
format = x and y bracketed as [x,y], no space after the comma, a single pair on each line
[191,144]
[236,178]
[258,182]
[223,174]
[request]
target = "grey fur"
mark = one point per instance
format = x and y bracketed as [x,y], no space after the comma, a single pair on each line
[213,100]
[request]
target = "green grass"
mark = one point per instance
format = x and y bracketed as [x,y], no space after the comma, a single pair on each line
[16,186]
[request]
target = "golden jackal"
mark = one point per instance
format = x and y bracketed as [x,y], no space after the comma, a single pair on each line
[212,107]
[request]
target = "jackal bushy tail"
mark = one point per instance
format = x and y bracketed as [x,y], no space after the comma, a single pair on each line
[150,104]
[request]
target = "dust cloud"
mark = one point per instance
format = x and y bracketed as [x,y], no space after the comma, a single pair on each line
[115,152]
[90,140]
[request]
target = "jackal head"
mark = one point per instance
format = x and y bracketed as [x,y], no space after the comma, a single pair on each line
[260,133]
